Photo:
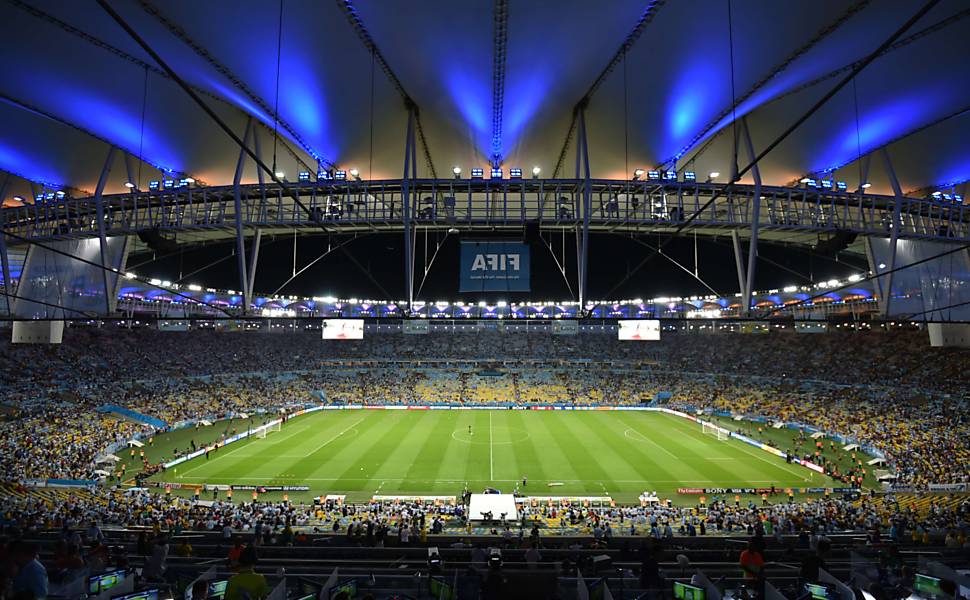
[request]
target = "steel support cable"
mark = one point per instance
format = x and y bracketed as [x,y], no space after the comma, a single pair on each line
[869,278]
[957,113]
[791,128]
[177,31]
[314,216]
[646,17]
[364,35]
[68,28]
[820,35]
[938,26]
[108,269]
[16,103]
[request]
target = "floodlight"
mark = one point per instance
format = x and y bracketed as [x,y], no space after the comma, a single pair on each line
[303,176]
[457,171]
[18,199]
[59,195]
[169,184]
[805,179]
[957,198]
[841,186]
[714,174]
[153,185]
[690,176]
[515,173]
[654,175]
[535,172]
[947,197]
[279,174]
[496,173]
[184,182]
[39,198]
[189,180]
[811,183]
[129,185]
[670,175]
[637,174]
[826,184]
[355,174]
[49,196]
[866,185]
[937,195]
[477,173]
[340,175]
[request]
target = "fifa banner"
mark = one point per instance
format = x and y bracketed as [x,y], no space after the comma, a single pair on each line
[641,330]
[416,327]
[565,328]
[343,329]
[494,267]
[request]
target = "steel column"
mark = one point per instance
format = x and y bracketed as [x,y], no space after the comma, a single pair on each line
[237,203]
[738,259]
[4,258]
[887,285]
[755,225]
[406,212]
[253,260]
[102,238]
[582,151]
[129,169]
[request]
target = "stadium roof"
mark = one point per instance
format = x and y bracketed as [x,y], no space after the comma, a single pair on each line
[662,81]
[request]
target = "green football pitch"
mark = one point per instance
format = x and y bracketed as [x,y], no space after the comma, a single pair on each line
[621,454]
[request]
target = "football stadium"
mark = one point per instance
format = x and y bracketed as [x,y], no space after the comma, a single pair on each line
[638,299]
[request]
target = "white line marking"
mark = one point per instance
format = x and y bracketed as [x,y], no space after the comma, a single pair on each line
[491,468]
[644,438]
[354,424]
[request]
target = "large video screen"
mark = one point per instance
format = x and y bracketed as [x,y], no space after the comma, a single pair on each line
[645,330]
[343,329]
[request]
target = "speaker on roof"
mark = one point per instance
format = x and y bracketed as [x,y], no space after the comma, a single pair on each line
[157,242]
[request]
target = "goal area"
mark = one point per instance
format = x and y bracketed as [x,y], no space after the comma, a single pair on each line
[268,429]
[714,430]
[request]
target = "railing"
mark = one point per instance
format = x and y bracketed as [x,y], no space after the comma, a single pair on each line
[622,206]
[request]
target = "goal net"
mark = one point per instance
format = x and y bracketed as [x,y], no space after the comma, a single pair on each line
[268,429]
[715,431]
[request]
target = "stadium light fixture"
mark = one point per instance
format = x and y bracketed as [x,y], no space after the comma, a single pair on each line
[515,173]
[280,174]
[653,175]
[190,180]
[355,174]
[153,185]
[826,184]
[841,186]
[670,175]
[714,174]
[866,185]
[637,174]
[457,171]
[690,176]
[535,172]
[496,173]
[303,176]
[59,195]
[129,185]
[340,175]
[478,173]
[18,199]
[805,180]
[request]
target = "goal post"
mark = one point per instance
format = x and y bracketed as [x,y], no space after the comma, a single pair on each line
[715,431]
[269,428]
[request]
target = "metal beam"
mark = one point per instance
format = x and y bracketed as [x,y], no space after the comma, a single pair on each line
[646,17]
[887,285]
[253,261]
[755,220]
[820,35]
[582,151]
[237,203]
[102,238]
[738,259]
[353,17]
[4,257]
[500,35]
[406,212]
